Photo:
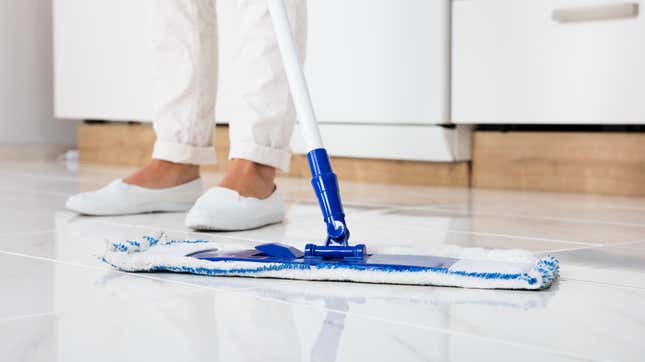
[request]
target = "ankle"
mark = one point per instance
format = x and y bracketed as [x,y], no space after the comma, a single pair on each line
[250,179]
[163,174]
[172,167]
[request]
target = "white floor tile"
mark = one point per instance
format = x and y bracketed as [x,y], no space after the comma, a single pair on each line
[60,302]
[557,230]
[616,265]
[106,316]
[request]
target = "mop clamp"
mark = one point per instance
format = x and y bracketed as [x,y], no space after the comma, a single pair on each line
[325,185]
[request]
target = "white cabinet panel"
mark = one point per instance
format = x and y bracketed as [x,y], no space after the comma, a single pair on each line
[393,142]
[102,67]
[514,63]
[379,61]
[104,60]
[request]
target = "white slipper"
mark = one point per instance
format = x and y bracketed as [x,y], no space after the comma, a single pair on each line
[224,209]
[119,198]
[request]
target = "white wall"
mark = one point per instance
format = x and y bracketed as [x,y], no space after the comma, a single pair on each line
[26,75]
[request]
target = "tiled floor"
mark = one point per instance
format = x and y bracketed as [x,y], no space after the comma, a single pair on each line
[60,303]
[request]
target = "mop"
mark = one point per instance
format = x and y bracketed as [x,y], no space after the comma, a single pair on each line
[336,259]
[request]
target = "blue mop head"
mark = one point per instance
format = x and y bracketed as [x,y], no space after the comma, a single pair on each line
[464,267]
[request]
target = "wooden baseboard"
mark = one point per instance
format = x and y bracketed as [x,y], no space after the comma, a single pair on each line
[582,162]
[391,171]
[115,143]
[131,144]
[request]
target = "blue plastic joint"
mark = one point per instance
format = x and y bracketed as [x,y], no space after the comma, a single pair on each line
[281,251]
[325,185]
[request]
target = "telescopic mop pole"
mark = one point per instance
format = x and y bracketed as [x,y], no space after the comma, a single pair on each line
[324,181]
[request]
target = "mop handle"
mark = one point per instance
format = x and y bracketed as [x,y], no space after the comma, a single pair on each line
[295,75]
[324,181]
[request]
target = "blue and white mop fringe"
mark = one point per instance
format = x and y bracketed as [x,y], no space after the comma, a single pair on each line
[476,268]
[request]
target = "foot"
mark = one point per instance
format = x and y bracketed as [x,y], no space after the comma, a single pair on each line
[249,179]
[159,174]
[224,209]
[158,186]
[245,199]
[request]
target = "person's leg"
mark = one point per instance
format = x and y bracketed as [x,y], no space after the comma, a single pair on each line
[262,111]
[185,61]
[185,51]
[262,119]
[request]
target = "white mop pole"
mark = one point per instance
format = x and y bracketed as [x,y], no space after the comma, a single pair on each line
[323,179]
[295,75]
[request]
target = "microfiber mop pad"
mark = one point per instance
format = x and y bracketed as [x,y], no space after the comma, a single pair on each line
[478,269]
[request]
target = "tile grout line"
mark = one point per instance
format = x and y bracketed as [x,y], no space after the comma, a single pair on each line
[172,230]
[73,179]
[34,192]
[536,217]
[443,208]
[599,246]
[603,284]
[20,233]
[547,251]
[534,238]
[108,268]
[27,316]
[90,170]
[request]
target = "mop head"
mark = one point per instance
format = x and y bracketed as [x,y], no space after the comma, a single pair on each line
[457,267]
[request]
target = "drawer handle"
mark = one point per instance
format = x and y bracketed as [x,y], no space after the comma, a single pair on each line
[600,12]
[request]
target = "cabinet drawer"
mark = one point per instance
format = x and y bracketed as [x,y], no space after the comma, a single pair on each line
[548,61]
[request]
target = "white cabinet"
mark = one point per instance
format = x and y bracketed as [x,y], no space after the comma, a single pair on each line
[379,61]
[548,61]
[102,60]
[372,63]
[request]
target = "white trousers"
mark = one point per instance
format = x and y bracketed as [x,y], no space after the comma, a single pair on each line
[261,110]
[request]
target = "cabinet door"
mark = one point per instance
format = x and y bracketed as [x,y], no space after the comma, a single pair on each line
[379,61]
[548,61]
[104,57]
[102,67]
